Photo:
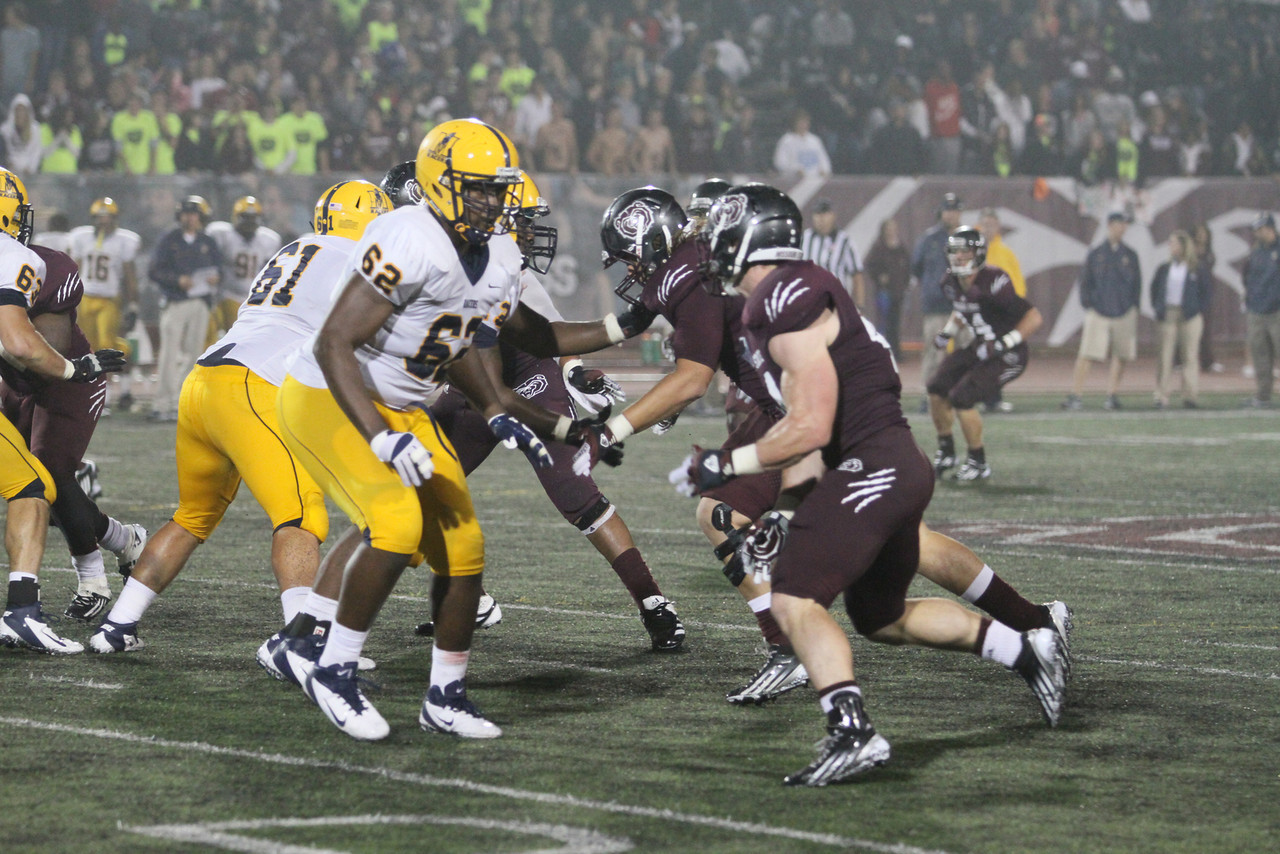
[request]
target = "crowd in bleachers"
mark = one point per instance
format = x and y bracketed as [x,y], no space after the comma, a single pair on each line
[1098,89]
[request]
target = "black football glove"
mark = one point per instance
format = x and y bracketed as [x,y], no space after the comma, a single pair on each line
[90,366]
[702,470]
[636,319]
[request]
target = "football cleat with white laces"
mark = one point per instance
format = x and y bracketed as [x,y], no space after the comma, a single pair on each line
[942,463]
[111,638]
[85,606]
[781,672]
[488,615]
[666,632]
[1042,664]
[336,690]
[972,470]
[1060,616]
[128,556]
[25,627]
[851,747]
[450,712]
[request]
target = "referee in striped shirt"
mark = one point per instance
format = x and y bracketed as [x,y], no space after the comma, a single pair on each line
[834,251]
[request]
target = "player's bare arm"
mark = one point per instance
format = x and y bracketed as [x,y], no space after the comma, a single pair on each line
[543,338]
[670,395]
[355,318]
[810,390]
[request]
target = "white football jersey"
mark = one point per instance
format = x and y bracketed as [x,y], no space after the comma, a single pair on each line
[407,256]
[535,297]
[242,259]
[22,273]
[102,260]
[286,305]
[57,240]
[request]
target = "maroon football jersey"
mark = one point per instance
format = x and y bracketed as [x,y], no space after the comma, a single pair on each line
[989,305]
[791,299]
[706,329]
[60,294]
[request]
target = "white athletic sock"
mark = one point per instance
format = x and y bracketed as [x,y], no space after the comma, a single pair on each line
[292,600]
[1002,644]
[826,700]
[979,585]
[760,603]
[21,576]
[321,607]
[134,601]
[447,667]
[342,646]
[116,537]
[89,566]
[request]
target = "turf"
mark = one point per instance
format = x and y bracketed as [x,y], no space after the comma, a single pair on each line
[1160,529]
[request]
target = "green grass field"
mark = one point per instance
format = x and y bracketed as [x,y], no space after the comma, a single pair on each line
[1161,530]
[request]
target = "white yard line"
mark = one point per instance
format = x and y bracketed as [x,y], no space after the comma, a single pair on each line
[1180,668]
[564,801]
[79,683]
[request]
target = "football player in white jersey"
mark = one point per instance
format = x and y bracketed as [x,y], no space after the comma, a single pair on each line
[105,253]
[227,425]
[25,483]
[246,245]
[426,290]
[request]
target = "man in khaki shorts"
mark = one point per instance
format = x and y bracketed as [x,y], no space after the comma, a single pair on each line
[1110,285]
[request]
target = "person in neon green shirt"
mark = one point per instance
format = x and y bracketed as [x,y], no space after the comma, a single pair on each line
[382,29]
[516,78]
[476,13]
[136,132]
[62,142]
[350,12]
[306,130]
[169,124]
[273,149]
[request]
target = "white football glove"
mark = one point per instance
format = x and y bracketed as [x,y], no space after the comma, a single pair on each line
[760,549]
[408,456]
[590,390]
[679,478]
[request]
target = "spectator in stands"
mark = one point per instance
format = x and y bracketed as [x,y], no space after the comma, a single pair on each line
[99,151]
[1110,285]
[942,98]
[695,147]
[373,144]
[272,142]
[652,147]
[607,154]
[1043,153]
[888,269]
[1242,154]
[197,148]
[556,146]
[1158,151]
[169,125]
[306,132]
[533,111]
[23,137]
[136,132]
[1128,157]
[61,142]
[235,151]
[896,148]
[1001,156]
[19,50]
[800,152]
[1195,152]
[977,118]
[1078,124]
[1096,163]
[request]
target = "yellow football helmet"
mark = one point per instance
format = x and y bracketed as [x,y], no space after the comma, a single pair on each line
[347,207]
[246,206]
[469,173]
[16,217]
[536,242]
[104,206]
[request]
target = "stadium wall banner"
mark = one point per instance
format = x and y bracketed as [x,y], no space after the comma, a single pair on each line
[1049,223]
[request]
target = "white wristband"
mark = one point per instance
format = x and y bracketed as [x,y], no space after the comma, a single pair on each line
[746,460]
[613,328]
[561,431]
[620,427]
[952,327]
[1012,339]
[68,369]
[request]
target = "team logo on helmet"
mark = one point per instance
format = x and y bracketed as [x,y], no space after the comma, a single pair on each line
[634,221]
[728,210]
[443,148]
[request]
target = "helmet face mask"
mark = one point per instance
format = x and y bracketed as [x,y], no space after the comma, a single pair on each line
[17,219]
[469,174]
[346,208]
[537,242]
[966,251]
[749,224]
[640,229]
